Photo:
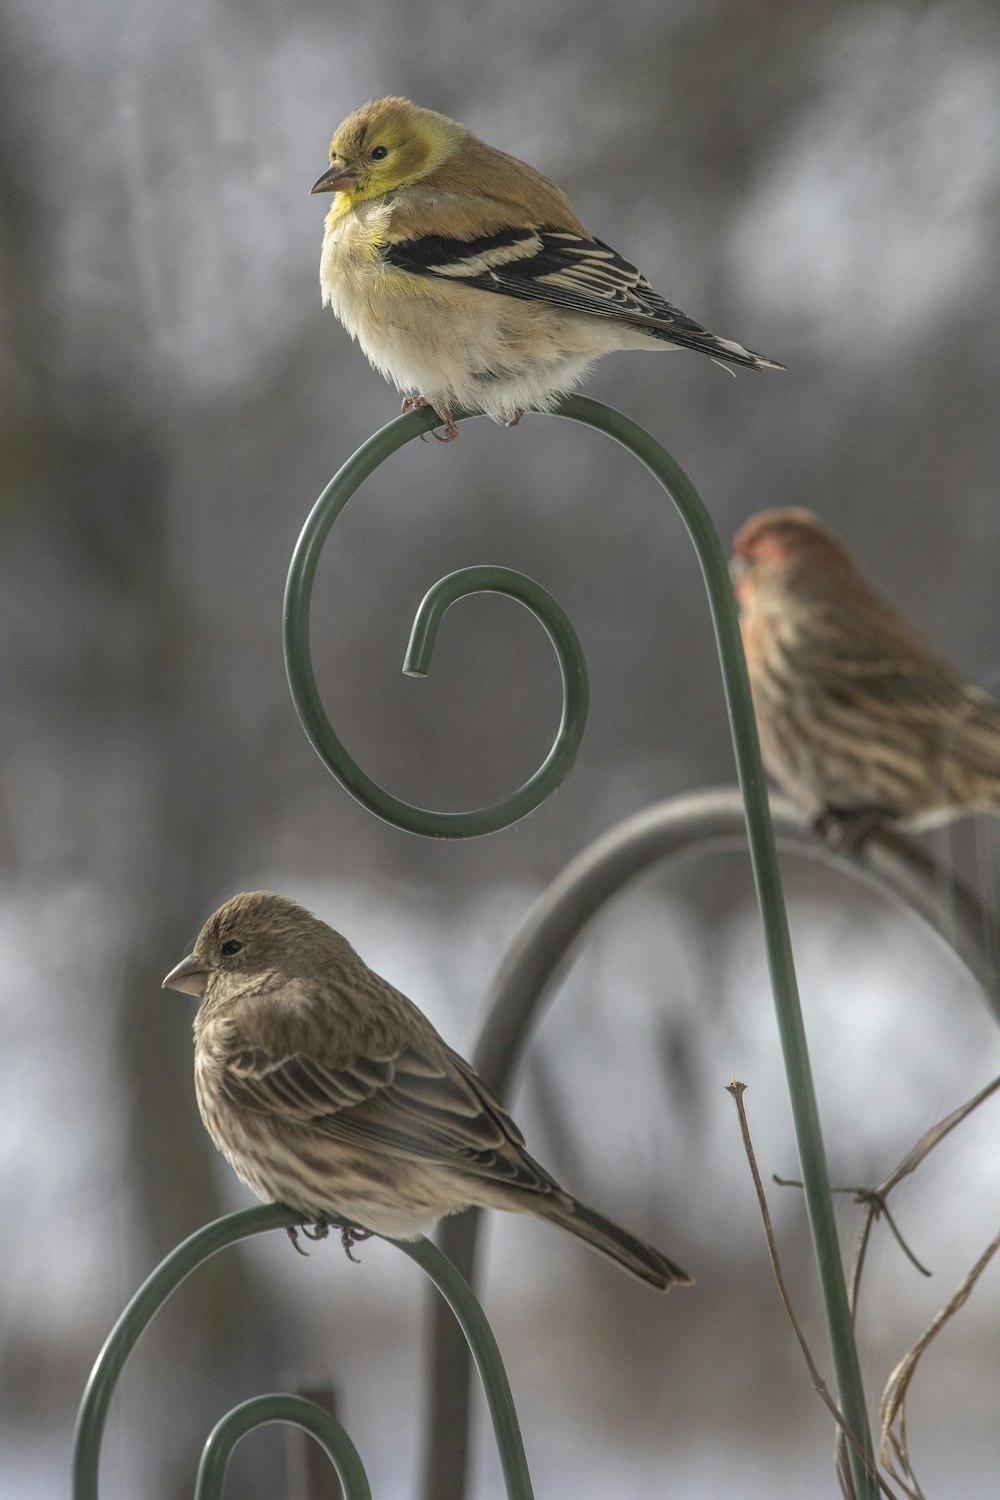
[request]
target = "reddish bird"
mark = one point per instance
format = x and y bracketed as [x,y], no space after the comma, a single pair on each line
[860,722]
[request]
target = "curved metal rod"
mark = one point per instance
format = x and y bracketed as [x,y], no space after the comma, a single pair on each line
[764,860]
[763,853]
[681,828]
[698,824]
[205,1243]
[302,680]
[572,669]
[297,1411]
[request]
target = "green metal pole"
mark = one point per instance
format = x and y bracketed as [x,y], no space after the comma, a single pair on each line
[764,859]
[760,833]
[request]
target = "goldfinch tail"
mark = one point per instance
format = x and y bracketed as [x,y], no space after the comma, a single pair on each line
[716,348]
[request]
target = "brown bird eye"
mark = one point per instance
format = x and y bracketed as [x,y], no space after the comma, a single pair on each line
[379,153]
[228,949]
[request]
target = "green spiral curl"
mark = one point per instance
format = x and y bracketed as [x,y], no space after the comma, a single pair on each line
[760,831]
[302,680]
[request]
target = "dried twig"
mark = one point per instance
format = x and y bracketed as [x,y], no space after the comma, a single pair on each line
[892,1407]
[911,1161]
[737,1090]
[873,1197]
[875,1201]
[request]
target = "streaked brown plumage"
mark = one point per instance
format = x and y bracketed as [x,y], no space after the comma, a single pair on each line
[860,721]
[328,1090]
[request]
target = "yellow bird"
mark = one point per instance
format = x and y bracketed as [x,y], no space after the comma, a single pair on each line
[466,277]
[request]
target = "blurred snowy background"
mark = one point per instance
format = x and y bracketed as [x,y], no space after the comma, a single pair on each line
[820,180]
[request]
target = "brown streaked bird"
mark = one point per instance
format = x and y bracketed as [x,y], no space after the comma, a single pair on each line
[328,1090]
[467,278]
[861,722]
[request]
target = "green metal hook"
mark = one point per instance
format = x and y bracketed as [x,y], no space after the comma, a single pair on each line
[760,832]
[767,878]
[295,1410]
[302,680]
[201,1246]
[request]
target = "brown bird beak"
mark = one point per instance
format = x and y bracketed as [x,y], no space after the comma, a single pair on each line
[333,179]
[190,976]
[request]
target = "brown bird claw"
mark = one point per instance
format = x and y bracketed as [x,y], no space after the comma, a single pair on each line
[319,1231]
[848,832]
[350,1236]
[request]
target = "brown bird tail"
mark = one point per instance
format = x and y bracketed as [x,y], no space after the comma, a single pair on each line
[614,1242]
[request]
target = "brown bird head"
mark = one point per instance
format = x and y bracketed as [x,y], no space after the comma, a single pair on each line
[253,936]
[384,143]
[788,552]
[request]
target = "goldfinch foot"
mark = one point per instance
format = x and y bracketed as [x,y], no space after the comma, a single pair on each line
[414,403]
[450,432]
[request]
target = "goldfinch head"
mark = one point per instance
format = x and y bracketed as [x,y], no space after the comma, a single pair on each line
[384,144]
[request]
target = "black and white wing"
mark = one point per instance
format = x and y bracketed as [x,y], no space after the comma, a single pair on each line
[567,270]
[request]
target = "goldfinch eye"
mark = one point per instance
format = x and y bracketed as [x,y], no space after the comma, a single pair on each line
[379,153]
[228,949]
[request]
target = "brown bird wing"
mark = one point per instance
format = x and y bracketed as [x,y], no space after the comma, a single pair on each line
[916,694]
[401,1104]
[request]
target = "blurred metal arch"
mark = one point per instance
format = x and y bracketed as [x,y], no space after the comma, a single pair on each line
[199,1247]
[697,824]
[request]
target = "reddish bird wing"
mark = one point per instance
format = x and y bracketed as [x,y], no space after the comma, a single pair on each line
[917,694]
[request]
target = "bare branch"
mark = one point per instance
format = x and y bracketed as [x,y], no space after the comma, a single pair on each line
[892,1407]
[875,1198]
[737,1090]
[934,1136]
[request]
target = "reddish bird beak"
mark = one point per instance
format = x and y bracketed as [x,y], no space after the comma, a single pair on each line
[190,976]
[333,179]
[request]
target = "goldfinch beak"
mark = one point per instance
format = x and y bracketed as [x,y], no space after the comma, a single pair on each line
[190,976]
[334,179]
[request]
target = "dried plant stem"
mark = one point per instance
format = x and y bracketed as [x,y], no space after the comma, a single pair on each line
[879,1209]
[875,1198]
[893,1398]
[892,1407]
[737,1090]
[914,1158]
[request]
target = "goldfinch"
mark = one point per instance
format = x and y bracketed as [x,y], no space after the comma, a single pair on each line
[466,277]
